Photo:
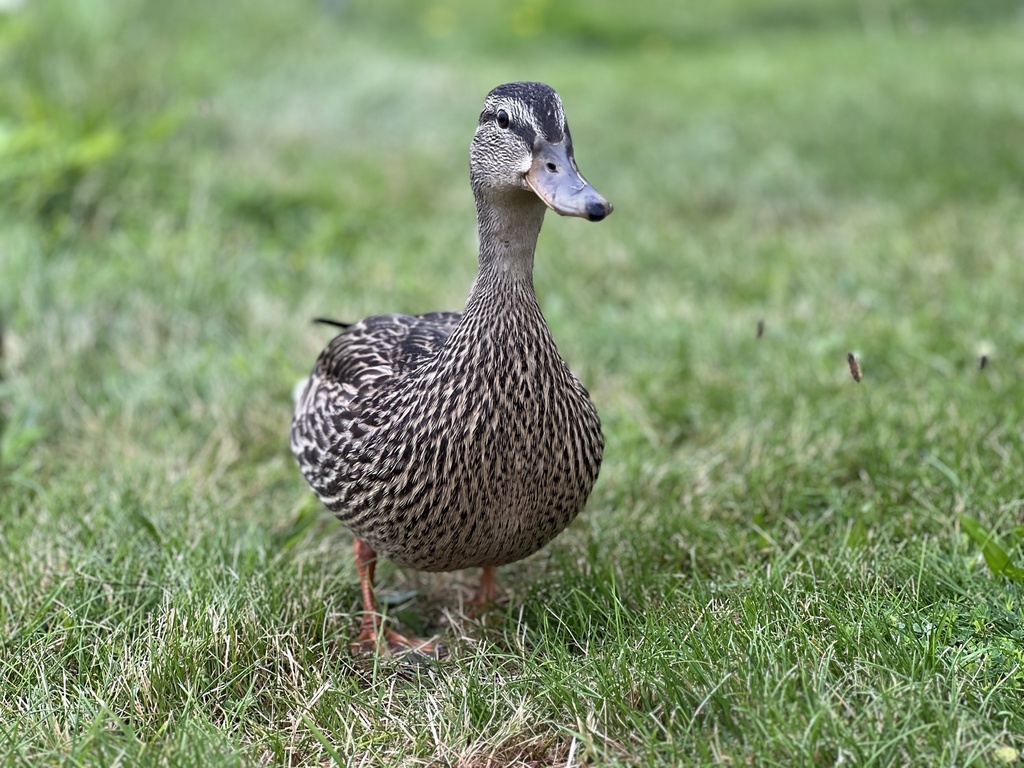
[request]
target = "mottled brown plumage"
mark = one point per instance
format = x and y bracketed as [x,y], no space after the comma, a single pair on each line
[450,440]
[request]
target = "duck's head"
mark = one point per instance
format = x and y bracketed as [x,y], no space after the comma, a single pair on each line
[522,145]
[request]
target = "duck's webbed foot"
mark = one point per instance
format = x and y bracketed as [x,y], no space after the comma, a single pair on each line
[375,637]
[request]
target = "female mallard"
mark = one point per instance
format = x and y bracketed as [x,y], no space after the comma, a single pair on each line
[448,440]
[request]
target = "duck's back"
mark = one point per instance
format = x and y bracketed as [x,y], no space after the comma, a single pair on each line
[447,443]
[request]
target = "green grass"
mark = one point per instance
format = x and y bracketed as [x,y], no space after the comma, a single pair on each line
[779,566]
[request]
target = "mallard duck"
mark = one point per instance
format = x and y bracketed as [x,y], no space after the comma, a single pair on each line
[456,440]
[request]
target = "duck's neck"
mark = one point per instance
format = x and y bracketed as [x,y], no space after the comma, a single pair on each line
[503,324]
[508,230]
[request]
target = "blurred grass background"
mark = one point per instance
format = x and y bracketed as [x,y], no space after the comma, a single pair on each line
[775,567]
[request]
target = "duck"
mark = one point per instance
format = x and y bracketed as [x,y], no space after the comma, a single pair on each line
[454,440]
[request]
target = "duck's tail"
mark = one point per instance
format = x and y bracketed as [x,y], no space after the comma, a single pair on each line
[328,321]
[300,386]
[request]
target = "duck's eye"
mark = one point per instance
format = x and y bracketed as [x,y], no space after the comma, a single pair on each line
[502,117]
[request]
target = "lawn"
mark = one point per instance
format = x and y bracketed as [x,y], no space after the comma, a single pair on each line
[779,565]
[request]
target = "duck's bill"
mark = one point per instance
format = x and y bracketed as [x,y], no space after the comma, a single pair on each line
[555,179]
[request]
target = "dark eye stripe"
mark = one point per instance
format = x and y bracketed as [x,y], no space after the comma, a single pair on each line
[525,132]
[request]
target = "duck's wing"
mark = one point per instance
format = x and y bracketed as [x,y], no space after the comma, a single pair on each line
[358,363]
[383,346]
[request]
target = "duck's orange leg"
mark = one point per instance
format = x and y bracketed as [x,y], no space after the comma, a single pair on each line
[372,629]
[488,591]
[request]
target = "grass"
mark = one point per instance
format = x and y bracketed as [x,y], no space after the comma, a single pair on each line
[779,566]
